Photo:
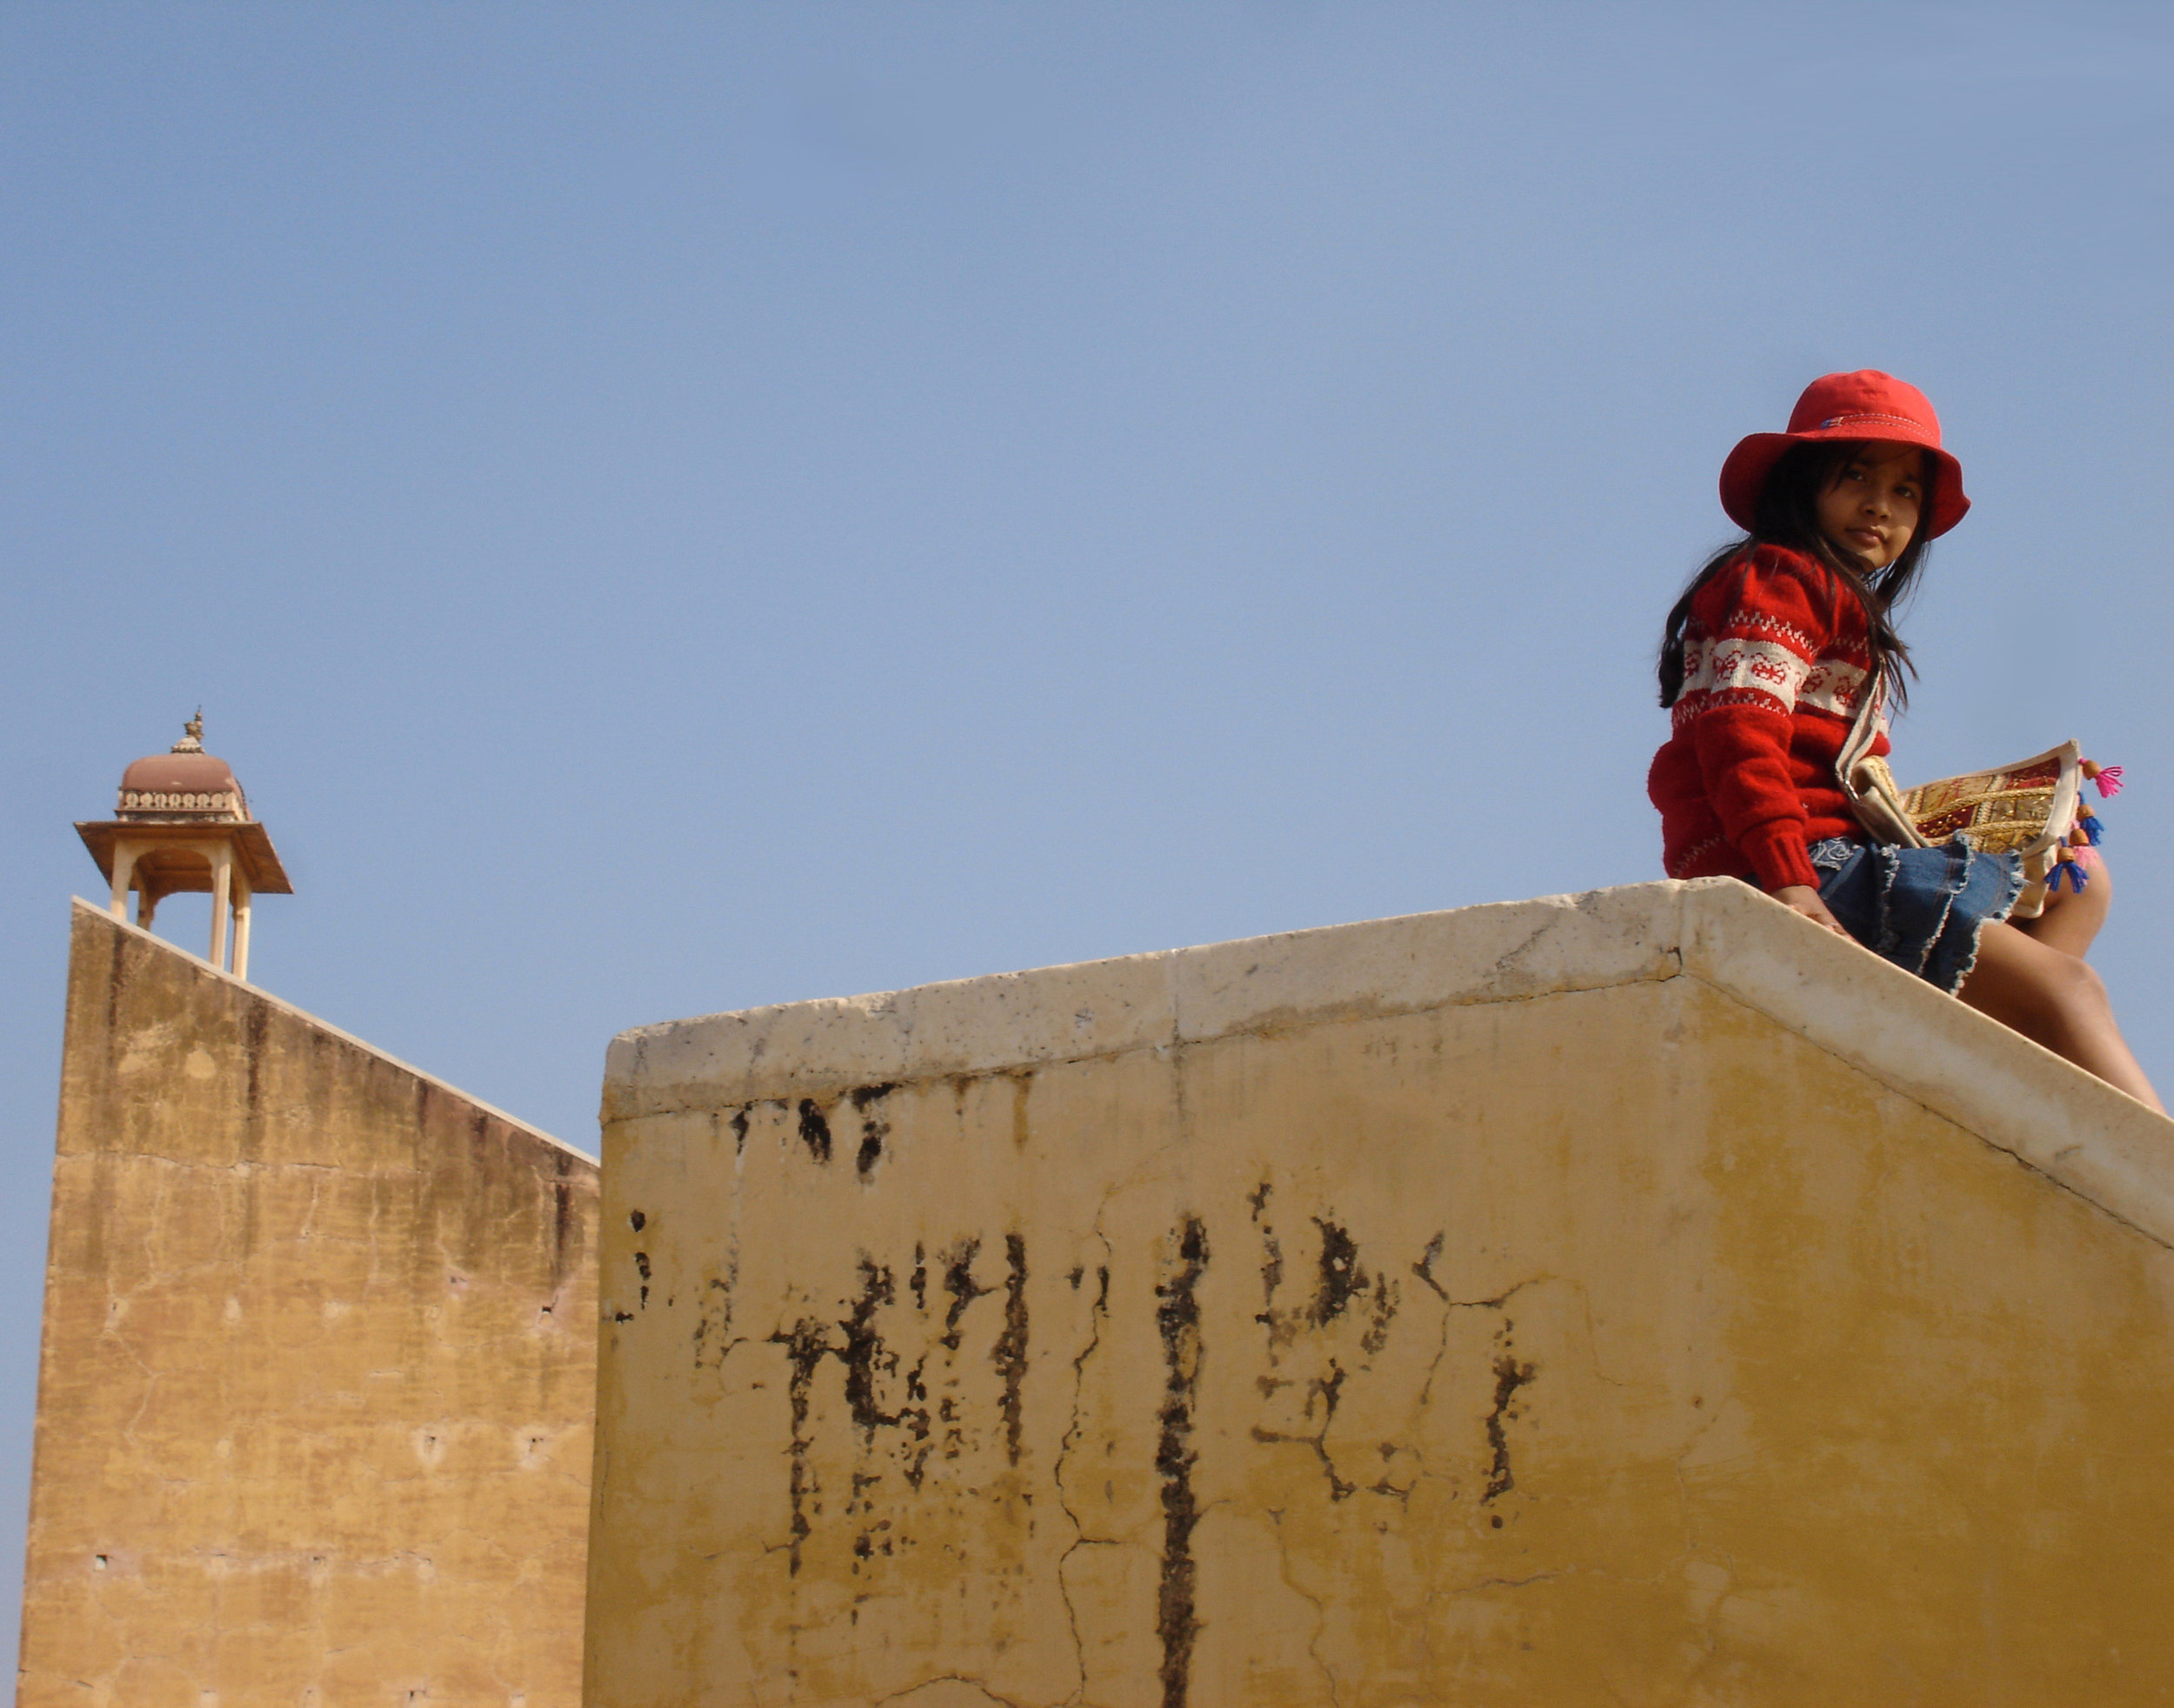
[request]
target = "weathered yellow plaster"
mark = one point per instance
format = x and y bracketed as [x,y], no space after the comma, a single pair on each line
[315,1394]
[1640,1297]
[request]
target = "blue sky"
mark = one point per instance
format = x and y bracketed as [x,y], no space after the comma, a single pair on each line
[674,508]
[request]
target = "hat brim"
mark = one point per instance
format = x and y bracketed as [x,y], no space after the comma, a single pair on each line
[1744,475]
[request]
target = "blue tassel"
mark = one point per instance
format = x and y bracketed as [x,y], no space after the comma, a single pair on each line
[2076,878]
[2093,829]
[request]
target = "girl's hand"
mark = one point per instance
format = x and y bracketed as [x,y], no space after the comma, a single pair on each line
[1800,899]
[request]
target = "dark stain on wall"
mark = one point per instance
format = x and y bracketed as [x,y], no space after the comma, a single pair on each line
[1272,1253]
[1177,1320]
[1382,1309]
[715,1318]
[815,1131]
[1341,1278]
[804,1348]
[1510,1376]
[1022,1086]
[874,1129]
[917,1423]
[1425,1268]
[959,1283]
[1009,1353]
[1346,1306]
[863,1355]
[888,1387]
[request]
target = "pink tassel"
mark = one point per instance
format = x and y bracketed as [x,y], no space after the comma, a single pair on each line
[2108,778]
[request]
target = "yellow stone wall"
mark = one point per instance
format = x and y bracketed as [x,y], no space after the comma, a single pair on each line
[1636,1299]
[316,1392]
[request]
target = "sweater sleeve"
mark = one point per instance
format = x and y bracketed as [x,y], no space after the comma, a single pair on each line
[1765,627]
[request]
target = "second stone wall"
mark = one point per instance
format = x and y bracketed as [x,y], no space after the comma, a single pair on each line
[316,1388]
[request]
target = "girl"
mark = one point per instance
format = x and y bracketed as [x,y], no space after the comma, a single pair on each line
[1765,662]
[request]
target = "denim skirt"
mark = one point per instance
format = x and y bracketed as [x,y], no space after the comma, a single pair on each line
[1921,907]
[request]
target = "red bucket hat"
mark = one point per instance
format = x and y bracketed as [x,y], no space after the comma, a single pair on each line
[1867,404]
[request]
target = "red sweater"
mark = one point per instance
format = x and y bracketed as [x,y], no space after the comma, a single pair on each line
[1776,656]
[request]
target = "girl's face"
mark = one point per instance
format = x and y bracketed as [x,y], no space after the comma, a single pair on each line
[1869,506]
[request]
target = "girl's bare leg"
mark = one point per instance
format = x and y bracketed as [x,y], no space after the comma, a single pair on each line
[2053,998]
[2071,921]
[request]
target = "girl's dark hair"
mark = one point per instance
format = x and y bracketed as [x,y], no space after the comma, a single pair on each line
[1787,515]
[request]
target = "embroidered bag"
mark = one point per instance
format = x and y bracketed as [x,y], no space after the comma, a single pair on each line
[2033,808]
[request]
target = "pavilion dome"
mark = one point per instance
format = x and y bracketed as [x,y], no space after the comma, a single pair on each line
[184,783]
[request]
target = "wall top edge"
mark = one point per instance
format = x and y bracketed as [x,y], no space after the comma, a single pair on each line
[2049,1115]
[92,911]
[1497,951]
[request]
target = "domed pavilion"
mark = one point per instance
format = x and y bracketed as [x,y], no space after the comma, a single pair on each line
[182,823]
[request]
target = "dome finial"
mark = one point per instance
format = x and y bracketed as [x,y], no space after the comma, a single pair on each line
[192,736]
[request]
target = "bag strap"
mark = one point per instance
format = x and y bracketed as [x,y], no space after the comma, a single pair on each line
[1863,732]
[1866,782]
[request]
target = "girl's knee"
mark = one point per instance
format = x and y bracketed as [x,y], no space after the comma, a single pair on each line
[2074,990]
[2044,991]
